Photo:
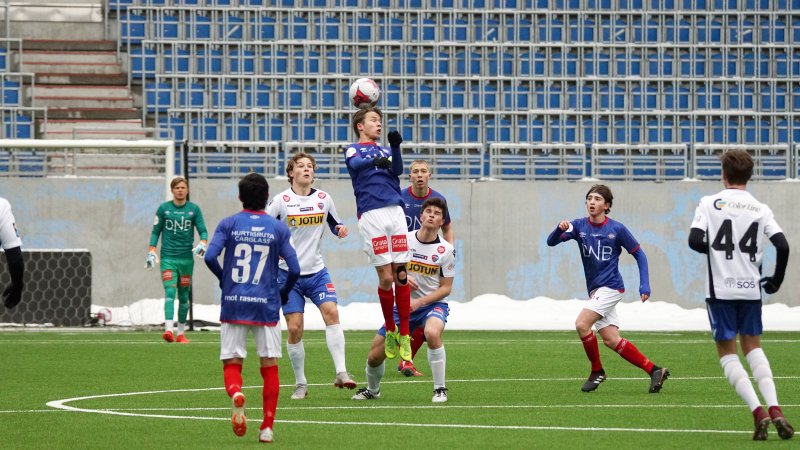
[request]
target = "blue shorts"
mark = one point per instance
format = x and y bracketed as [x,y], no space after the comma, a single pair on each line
[731,317]
[420,316]
[317,287]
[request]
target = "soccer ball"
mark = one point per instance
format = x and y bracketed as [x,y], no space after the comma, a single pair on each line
[364,92]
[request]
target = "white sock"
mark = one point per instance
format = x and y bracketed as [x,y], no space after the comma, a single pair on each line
[374,375]
[737,377]
[181,328]
[297,354]
[759,366]
[167,325]
[334,336]
[436,359]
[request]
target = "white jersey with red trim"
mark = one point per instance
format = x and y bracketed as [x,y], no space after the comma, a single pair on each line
[734,223]
[307,218]
[429,262]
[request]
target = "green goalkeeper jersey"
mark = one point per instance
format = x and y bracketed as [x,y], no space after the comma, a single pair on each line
[176,224]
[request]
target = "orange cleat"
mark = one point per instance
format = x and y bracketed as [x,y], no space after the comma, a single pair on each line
[238,420]
[182,339]
[168,336]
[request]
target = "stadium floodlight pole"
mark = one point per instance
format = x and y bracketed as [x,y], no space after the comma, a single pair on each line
[185,170]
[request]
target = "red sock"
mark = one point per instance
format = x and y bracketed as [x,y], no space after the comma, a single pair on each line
[759,414]
[417,339]
[775,412]
[232,374]
[632,354]
[592,351]
[402,293]
[387,308]
[270,394]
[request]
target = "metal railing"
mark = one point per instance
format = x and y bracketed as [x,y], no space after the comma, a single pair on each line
[537,161]
[771,162]
[654,162]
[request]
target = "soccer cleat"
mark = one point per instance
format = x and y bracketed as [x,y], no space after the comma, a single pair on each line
[366,394]
[407,368]
[344,380]
[265,435]
[760,433]
[594,380]
[405,347]
[168,336]
[182,339]
[785,430]
[439,395]
[391,344]
[300,392]
[657,379]
[238,420]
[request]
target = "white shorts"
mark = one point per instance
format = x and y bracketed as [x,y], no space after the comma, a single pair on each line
[233,340]
[384,232]
[604,302]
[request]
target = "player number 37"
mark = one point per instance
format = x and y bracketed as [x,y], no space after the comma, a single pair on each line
[243,254]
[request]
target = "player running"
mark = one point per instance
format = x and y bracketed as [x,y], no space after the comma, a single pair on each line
[413,197]
[251,296]
[375,173]
[600,241]
[432,270]
[175,221]
[307,212]
[728,227]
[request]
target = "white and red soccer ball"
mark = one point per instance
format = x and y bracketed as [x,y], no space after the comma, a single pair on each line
[364,92]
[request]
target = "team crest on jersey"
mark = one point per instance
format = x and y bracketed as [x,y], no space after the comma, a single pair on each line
[730,282]
[330,288]
[254,216]
[191,213]
[321,205]
[321,194]
[440,249]
[256,229]
[435,258]
[286,198]
[611,235]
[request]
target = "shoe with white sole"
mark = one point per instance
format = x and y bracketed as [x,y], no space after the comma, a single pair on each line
[238,419]
[300,392]
[265,435]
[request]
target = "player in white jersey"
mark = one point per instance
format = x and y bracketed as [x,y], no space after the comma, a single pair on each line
[309,212]
[431,271]
[728,227]
[12,244]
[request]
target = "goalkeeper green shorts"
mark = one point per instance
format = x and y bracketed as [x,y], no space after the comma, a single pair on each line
[177,272]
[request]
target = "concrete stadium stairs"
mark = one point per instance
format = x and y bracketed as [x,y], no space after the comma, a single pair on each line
[84,89]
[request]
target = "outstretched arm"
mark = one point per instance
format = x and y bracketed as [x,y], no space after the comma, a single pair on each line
[697,240]
[395,139]
[644,274]
[560,234]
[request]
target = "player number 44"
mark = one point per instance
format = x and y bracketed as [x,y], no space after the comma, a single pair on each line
[243,254]
[724,240]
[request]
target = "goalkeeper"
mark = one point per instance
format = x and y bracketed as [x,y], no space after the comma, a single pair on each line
[175,221]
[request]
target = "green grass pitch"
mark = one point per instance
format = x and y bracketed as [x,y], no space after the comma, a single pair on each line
[510,389]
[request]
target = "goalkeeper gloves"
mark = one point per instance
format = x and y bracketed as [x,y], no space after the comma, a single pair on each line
[394,139]
[770,285]
[200,249]
[152,258]
[12,295]
[382,162]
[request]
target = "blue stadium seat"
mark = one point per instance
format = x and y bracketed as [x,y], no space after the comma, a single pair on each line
[238,129]
[756,132]
[306,62]
[466,130]
[290,96]
[709,32]
[644,99]
[19,127]
[595,131]
[781,64]
[662,5]
[225,96]
[404,63]
[295,27]
[455,97]
[612,31]
[746,34]
[612,98]
[782,131]
[725,5]
[231,28]
[436,63]
[693,64]
[486,97]
[500,64]
[556,30]
[361,30]
[740,97]
[468,63]
[709,97]
[198,27]
[242,61]
[487,29]
[724,131]
[644,31]
[518,29]
[391,30]
[191,95]
[597,63]
[627,132]
[274,63]
[580,98]
[660,131]
[518,98]
[565,65]
[158,96]
[676,98]
[327,28]
[303,130]
[692,131]
[425,31]
[175,123]
[498,130]
[723,64]
[563,130]
[4,60]
[678,32]
[406,127]
[420,96]
[132,28]
[265,26]
[176,60]
[257,96]
[547,97]
[209,61]
[339,62]
[166,27]
[773,32]
[270,129]
[600,4]
[323,96]
[631,4]
[143,62]
[535,67]
[453,29]
[628,65]
[371,63]
[391,96]
[773,99]
[432,130]
[205,129]
[335,130]
[581,30]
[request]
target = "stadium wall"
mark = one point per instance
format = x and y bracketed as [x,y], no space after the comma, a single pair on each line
[500,229]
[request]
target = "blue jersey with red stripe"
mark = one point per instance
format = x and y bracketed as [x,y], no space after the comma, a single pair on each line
[413,207]
[374,187]
[600,246]
[252,241]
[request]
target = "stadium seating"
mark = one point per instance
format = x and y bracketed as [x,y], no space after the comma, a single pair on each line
[625,73]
